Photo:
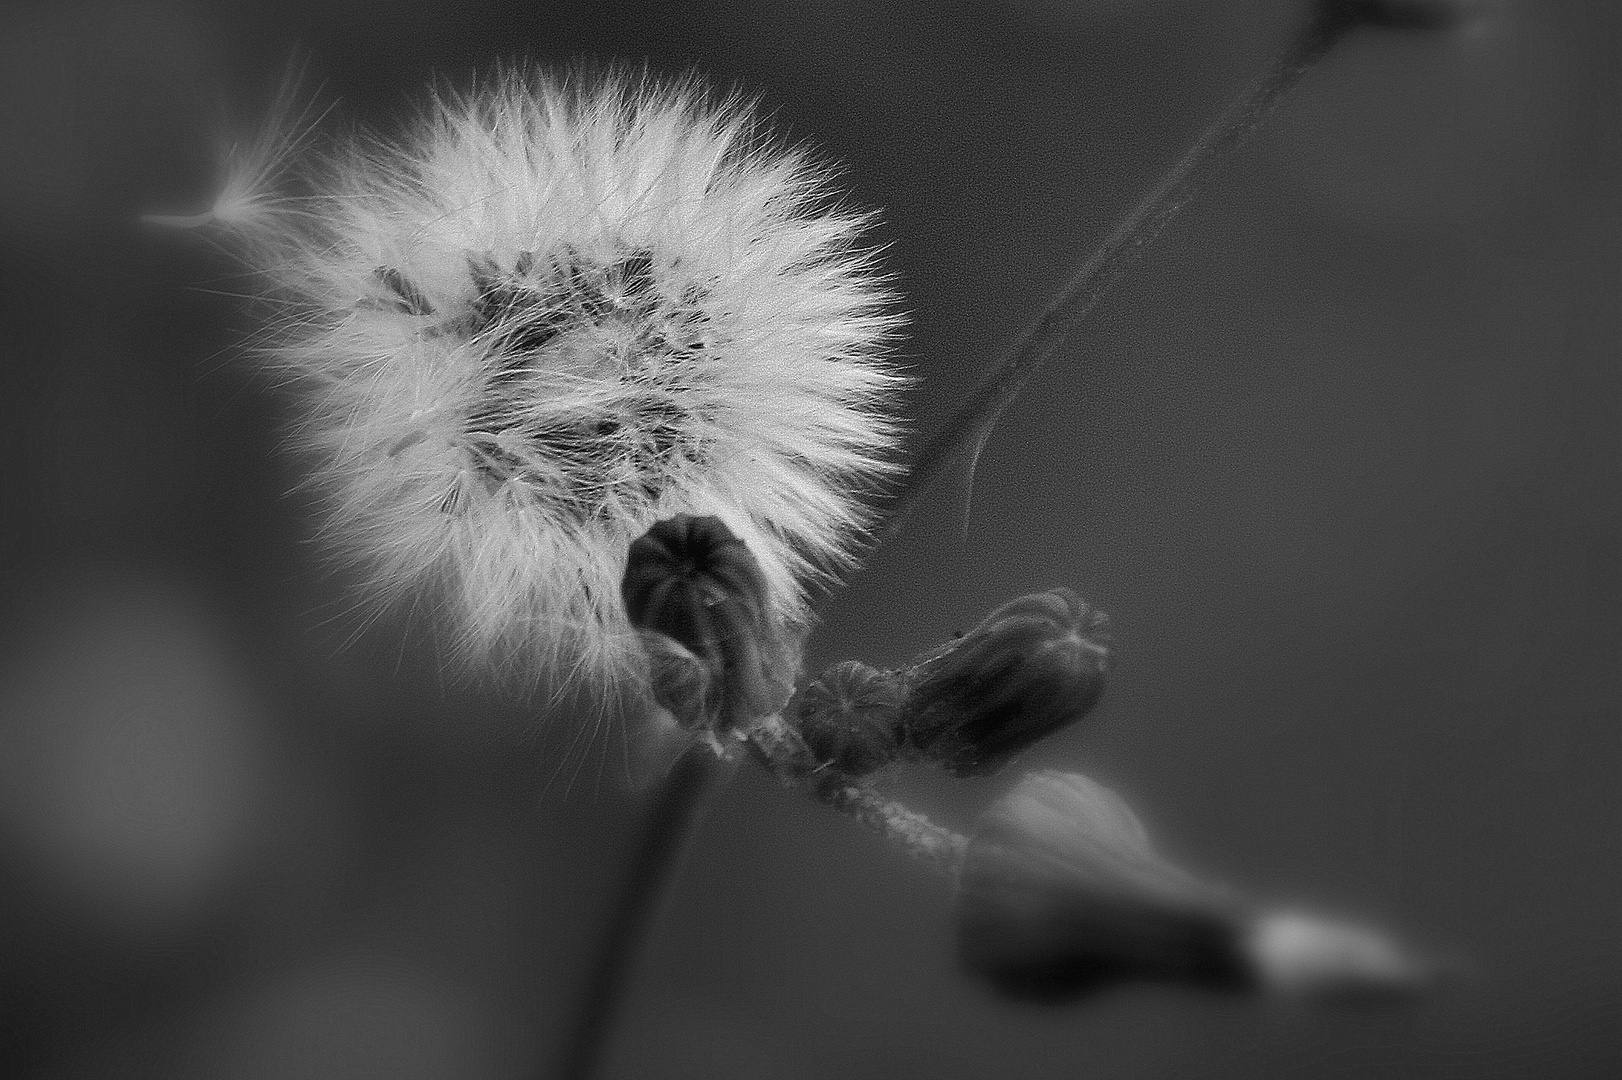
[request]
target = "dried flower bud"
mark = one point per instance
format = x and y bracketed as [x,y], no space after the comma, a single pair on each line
[849,716]
[1031,667]
[690,579]
[1061,895]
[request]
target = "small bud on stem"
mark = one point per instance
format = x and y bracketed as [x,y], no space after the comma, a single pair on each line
[850,717]
[692,581]
[1032,667]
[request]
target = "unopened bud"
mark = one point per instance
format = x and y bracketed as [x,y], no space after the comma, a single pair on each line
[849,717]
[690,579]
[1031,667]
[1061,894]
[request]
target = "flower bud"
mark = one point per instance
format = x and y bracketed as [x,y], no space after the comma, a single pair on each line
[1031,667]
[690,579]
[1061,895]
[849,717]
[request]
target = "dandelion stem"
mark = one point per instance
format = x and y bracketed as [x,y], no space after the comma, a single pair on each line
[670,822]
[1094,277]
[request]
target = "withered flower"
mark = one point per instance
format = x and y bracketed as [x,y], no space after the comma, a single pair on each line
[1061,894]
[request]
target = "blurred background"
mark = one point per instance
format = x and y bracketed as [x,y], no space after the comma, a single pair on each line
[1341,458]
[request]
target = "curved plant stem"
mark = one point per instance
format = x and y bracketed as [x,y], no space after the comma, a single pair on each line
[1093,278]
[668,824]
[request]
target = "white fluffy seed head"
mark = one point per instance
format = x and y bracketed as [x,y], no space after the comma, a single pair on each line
[554,314]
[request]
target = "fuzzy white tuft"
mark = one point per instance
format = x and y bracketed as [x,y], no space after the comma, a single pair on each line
[257,170]
[556,314]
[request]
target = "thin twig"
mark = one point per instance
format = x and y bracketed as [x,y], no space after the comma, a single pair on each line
[778,746]
[1093,278]
[669,823]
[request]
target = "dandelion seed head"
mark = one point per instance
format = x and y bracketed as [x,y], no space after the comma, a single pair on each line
[556,314]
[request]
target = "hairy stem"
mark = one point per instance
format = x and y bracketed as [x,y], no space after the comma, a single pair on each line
[779,747]
[668,824]
[916,834]
[1093,278]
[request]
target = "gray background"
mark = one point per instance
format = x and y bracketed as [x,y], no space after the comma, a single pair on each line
[1341,459]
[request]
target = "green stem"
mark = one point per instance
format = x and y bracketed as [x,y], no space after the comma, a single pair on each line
[668,825]
[1094,278]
